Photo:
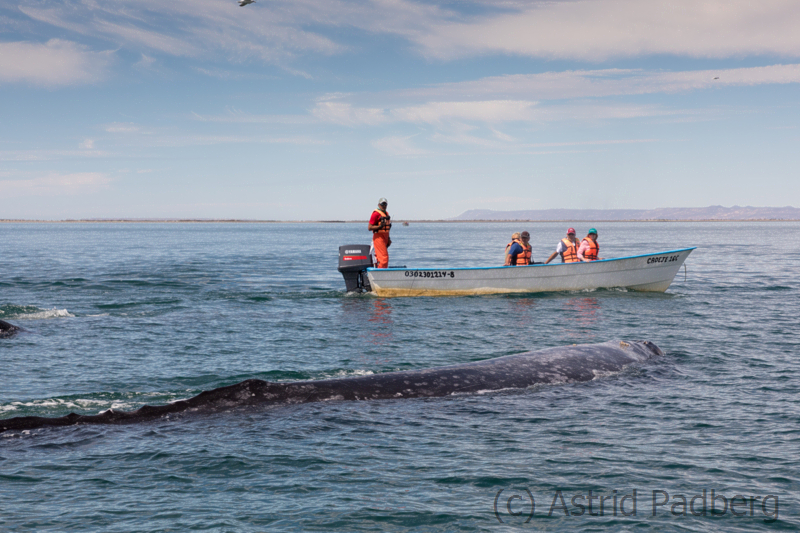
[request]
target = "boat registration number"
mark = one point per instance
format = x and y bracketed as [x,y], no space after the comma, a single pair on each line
[666,259]
[430,274]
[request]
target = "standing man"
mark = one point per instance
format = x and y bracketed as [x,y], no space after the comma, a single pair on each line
[590,248]
[379,224]
[567,248]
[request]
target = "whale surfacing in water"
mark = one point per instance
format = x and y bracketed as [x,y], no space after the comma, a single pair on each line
[7,330]
[553,365]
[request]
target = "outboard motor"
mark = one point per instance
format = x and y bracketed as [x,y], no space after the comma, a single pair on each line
[354,259]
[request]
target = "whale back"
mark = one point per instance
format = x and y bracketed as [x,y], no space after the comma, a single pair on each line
[7,330]
[552,365]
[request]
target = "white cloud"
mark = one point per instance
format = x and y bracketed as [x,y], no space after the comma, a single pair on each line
[596,30]
[177,140]
[53,63]
[470,140]
[279,31]
[590,111]
[238,117]
[501,136]
[572,84]
[483,111]
[207,29]
[464,139]
[591,143]
[347,115]
[568,95]
[50,155]
[227,74]
[428,113]
[54,184]
[145,62]
[398,146]
[123,127]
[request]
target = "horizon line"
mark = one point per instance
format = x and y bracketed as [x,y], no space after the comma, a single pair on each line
[416,221]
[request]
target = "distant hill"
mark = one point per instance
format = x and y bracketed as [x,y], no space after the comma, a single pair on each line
[714,212]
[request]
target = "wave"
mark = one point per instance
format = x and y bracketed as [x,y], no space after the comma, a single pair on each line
[357,372]
[29,312]
[94,401]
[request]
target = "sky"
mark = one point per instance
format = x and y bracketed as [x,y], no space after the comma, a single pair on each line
[314,109]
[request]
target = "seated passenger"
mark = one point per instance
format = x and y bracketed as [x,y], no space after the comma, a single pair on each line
[590,248]
[520,252]
[514,240]
[567,248]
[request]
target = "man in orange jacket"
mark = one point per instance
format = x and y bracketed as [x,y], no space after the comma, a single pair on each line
[567,249]
[379,224]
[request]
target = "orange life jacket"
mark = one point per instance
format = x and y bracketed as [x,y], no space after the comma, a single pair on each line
[524,257]
[594,250]
[570,255]
[388,225]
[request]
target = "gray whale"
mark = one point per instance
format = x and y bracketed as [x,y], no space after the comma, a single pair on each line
[7,330]
[552,365]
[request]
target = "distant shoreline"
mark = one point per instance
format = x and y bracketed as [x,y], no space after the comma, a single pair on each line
[245,221]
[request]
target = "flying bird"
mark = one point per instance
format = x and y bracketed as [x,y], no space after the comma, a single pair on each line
[254,0]
[243,3]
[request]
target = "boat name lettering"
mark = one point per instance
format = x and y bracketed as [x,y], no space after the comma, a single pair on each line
[430,274]
[667,259]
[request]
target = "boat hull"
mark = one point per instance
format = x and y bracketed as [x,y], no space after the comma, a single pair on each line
[649,272]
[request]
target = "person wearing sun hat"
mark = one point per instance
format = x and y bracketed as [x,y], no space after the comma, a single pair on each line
[567,248]
[379,224]
[590,248]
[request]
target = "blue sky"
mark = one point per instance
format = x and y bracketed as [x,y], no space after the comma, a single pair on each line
[313,109]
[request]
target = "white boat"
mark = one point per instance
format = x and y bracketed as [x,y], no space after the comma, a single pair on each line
[648,272]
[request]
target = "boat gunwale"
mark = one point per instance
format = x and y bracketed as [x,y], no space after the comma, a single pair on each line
[396,269]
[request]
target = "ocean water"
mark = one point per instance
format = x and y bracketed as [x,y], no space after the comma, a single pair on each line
[122,315]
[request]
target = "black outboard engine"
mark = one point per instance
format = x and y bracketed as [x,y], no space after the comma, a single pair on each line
[353,262]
